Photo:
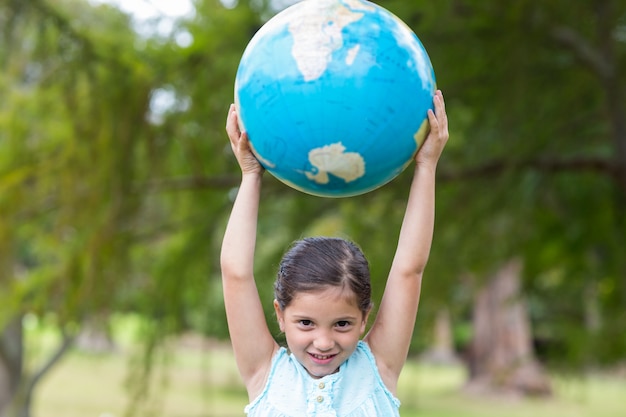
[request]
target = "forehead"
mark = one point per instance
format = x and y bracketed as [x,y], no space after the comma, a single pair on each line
[329,301]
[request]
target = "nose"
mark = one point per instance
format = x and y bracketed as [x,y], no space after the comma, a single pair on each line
[323,342]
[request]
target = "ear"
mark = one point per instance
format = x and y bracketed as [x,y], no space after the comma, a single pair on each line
[280,315]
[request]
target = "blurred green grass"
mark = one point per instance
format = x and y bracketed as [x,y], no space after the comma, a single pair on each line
[197,377]
[200,379]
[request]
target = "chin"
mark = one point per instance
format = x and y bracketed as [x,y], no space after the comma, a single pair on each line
[317,372]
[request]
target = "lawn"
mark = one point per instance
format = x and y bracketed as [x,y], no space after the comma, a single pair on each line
[199,379]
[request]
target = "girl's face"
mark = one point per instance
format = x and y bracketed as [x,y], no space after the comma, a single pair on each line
[322,328]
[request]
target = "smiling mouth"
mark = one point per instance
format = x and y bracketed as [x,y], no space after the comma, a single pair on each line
[322,359]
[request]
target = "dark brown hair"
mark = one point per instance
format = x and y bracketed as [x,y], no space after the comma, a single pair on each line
[316,263]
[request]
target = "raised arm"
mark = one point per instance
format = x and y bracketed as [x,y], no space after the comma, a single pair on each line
[251,339]
[391,333]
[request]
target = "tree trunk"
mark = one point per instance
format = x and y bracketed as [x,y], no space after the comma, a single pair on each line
[502,359]
[442,350]
[11,363]
[17,386]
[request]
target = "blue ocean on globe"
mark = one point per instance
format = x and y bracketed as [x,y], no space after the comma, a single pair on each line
[334,95]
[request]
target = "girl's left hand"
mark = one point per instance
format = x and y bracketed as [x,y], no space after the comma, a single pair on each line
[431,149]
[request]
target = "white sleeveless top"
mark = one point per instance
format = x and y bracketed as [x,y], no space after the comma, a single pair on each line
[356,390]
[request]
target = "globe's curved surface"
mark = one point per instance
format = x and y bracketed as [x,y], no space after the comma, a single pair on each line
[334,96]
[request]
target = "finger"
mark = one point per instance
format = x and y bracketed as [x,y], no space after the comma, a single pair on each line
[231,109]
[232,127]
[434,123]
[440,110]
[439,94]
[244,142]
[442,118]
[229,116]
[438,104]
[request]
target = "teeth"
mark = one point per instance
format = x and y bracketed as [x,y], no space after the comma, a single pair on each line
[322,357]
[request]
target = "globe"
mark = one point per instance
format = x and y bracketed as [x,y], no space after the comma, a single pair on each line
[334,96]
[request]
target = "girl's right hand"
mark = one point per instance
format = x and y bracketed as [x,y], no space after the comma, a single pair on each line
[240,144]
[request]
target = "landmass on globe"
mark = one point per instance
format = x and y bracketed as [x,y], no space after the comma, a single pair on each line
[317,36]
[333,159]
[421,133]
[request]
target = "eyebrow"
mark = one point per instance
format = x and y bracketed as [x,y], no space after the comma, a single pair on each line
[305,317]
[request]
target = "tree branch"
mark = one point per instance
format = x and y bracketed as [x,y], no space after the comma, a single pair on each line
[66,342]
[548,165]
[487,170]
[584,51]
[191,183]
[217,182]
[64,24]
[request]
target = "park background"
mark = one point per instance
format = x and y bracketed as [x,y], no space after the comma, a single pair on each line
[116,180]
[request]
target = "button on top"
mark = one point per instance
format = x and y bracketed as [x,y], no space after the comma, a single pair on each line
[322,385]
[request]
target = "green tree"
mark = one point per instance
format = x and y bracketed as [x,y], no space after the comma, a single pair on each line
[537,93]
[74,141]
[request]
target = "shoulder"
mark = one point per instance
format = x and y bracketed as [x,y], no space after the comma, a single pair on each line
[363,359]
[282,388]
[364,354]
[257,386]
[362,391]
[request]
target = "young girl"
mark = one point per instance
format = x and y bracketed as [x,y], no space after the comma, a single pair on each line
[323,302]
